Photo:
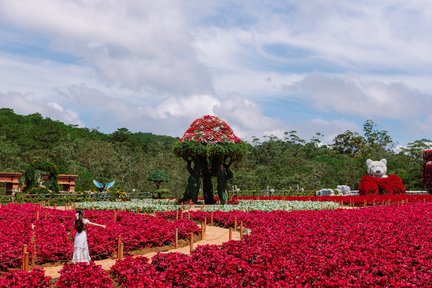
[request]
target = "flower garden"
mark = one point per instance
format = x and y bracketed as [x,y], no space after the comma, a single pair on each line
[387,243]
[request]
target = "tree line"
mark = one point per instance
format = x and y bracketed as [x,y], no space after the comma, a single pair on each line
[289,164]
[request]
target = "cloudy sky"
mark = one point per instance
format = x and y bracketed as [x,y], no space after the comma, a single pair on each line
[263,66]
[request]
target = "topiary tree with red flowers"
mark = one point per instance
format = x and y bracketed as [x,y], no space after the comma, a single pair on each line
[427,170]
[209,148]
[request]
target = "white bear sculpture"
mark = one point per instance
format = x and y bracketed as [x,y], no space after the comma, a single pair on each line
[377,168]
[378,182]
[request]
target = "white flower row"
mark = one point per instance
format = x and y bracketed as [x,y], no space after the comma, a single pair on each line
[150,205]
[135,205]
[271,205]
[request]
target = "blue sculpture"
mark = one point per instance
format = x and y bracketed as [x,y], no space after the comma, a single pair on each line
[103,188]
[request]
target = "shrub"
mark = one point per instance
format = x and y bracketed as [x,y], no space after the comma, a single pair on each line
[83,275]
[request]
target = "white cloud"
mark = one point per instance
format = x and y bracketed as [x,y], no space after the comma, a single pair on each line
[156,66]
[29,104]
[329,128]
[172,116]
[131,44]
[351,95]
[184,107]
[425,125]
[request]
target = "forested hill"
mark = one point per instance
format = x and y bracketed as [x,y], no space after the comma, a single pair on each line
[289,164]
[123,156]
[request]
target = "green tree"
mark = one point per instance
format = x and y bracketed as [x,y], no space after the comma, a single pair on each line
[376,140]
[158,177]
[350,143]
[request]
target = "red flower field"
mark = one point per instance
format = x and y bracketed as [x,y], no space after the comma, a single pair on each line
[370,247]
[382,246]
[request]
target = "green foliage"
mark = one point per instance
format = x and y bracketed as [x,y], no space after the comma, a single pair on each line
[161,193]
[33,177]
[188,149]
[376,139]
[158,177]
[350,143]
[290,164]
[193,149]
[223,150]
[117,194]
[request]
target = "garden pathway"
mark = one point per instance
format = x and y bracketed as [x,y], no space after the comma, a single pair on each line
[213,235]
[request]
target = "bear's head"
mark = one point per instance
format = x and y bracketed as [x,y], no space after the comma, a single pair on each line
[377,168]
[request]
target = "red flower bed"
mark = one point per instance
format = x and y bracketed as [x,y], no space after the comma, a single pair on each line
[15,227]
[386,185]
[84,276]
[53,243]
[25,279]
[370,199]
[54,233]
[371,247]
[223,219]
[134,272]
[210,129]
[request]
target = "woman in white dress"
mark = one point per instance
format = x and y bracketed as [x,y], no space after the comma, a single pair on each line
[81,250]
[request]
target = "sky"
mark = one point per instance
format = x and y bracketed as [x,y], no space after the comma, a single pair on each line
[265,67]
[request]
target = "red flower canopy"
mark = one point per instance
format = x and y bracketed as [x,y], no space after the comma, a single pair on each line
[210,129]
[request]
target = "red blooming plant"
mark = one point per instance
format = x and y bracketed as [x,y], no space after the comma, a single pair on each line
[50,239]
[25,279]
[427,170]
[385,185]
[368,199]
[371,247]
[135,272]
[84,275]
[15,227]
[53,241]
[210,130]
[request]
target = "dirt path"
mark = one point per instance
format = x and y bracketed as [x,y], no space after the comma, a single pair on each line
[213,235]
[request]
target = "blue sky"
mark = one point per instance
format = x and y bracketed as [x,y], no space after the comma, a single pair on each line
[265,67]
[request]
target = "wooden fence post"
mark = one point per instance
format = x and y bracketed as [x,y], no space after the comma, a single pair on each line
[177,212]
[119,249]
[191,242]
[33,242]
[211,218]
[235,223]
[176,239]
[202,230]
[241,230]
[230,234]
[205,224]
[115,215]
[25,261]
